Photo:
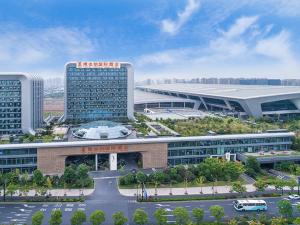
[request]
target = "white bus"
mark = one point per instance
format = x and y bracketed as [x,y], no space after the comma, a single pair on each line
[250,205]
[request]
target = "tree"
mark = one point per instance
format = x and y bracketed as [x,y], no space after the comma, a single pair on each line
[181,216]
[97,217]
[40,190]
[233,222]
[238,187]
[296,221]
[82,174]
[252,166]
[200,180]
[69,175]
[160,216]
[119,218]
[11,189]
[24,189]
[198,215]
[279,184]
[37,218]
[217,212]
[56,217]
[254,222]
[140,217]
[25,178]
[285,209]
[260,185]
[141,177]
[263,218]
[291,184]
[158,177]
[38,177]
[279,221]
[78,218]
[49,183]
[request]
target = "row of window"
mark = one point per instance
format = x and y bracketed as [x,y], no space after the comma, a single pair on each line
[25,151]
[230,142]
[223,150]
[28,169]
[17,161]
[12,83]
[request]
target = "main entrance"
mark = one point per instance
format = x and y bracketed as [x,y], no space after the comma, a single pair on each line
[111,157]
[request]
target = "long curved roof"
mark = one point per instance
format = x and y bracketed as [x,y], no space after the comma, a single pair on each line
[226,91]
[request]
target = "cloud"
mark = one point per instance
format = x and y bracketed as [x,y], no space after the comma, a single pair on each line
[173,26]
[22,47]
[276,47]
[245,48]
[240,26]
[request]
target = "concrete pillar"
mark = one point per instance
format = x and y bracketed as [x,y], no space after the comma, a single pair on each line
[96,162]
[113,161]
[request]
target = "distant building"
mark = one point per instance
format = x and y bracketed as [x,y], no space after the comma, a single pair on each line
[21,103]
[98,91]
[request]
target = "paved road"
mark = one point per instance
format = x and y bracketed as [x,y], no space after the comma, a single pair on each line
[107,198]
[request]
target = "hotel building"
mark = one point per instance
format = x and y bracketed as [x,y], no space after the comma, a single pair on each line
[98,91]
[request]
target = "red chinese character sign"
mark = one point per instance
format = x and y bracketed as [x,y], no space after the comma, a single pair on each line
[115,65]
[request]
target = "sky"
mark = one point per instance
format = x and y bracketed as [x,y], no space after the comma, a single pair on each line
[161,38]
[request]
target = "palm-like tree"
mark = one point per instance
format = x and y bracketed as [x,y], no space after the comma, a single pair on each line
[200,180]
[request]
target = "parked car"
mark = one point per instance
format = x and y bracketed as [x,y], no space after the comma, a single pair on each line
[294,197]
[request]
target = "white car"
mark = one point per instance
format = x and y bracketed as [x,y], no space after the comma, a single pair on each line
[294,197]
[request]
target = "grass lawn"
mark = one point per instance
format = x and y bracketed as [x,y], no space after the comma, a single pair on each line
[182,185]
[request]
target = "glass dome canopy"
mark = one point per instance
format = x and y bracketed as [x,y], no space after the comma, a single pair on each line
[98,130]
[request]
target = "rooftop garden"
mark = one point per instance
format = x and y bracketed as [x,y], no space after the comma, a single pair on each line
[228,125]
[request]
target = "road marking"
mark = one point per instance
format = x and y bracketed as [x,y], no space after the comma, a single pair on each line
[22,214]
[83,209]
[25,210]
[43,209]
[68,209]
[29,206]
[82,205]
[70,205]
[162,205]
[45,205]
[18,220]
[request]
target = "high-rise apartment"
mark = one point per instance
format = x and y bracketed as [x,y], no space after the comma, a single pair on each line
[21,103]
[98,91]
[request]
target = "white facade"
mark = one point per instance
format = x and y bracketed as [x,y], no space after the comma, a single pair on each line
[31,99]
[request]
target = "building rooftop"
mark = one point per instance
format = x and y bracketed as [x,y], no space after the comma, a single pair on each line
[141,97]
[143,140]
[228,91]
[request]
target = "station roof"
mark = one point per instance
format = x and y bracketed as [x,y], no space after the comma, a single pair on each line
[226,91]
[141,97]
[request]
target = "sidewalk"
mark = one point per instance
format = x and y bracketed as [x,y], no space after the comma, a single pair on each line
[59,192]
[182,191]
[193,190]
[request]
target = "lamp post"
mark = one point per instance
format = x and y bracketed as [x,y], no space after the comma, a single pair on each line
[4,189]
